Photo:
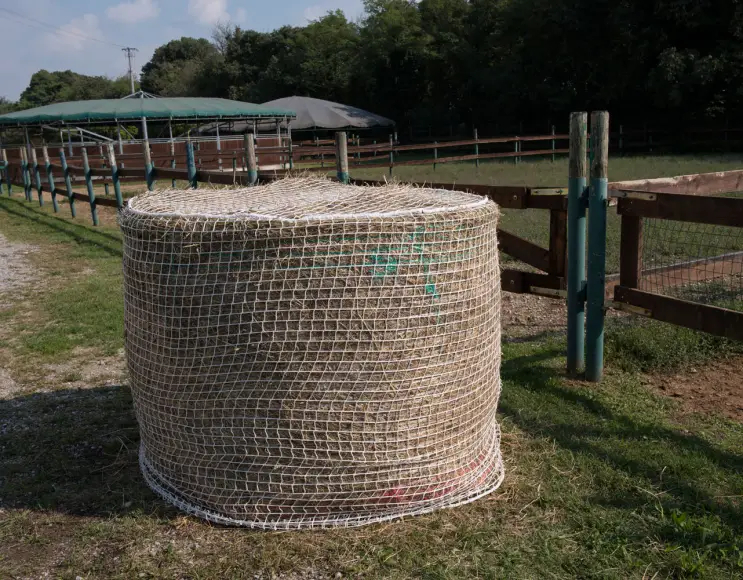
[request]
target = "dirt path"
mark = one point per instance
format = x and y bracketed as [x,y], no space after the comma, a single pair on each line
[15,268]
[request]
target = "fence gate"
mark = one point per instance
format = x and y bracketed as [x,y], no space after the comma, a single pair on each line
[681,259]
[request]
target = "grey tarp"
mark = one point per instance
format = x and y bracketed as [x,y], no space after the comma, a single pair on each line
[319,114]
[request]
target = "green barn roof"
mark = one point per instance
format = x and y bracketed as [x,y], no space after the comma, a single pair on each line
[102,111]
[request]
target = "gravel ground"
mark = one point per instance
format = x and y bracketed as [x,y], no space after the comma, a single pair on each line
[15,269]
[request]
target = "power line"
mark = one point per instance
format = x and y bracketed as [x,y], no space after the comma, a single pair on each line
[32,22]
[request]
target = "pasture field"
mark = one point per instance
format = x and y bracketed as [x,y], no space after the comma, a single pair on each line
[636,477]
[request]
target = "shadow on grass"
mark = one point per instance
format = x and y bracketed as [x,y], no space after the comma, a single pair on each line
[78,232]
[73,451]
[621,441]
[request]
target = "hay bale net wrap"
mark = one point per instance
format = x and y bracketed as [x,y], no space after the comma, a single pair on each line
[311,354]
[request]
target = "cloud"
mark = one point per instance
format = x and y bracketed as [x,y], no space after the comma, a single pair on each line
[209,12]
[75,35]
[241,16]
[134,11]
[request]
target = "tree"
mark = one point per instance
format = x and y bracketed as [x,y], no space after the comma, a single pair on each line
[175,67]
[47,87]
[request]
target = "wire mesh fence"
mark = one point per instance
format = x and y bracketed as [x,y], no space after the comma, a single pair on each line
[701,263]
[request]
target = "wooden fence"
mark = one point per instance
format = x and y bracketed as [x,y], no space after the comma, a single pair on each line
[692,199]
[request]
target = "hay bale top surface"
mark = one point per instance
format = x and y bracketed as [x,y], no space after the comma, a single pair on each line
[304,199]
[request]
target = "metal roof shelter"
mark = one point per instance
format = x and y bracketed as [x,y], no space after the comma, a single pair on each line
[109,111]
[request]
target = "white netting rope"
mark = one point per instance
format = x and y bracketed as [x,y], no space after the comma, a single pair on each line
[309,354]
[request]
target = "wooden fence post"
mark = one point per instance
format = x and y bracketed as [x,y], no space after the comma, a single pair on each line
[291,154]
[67,181]
[89,185]
[37,175]
[621,138]
[553,143]
[341,156]
[596,279]
[252,161]
[516,150]
[115,176]
[234,170]
[577,241]
[630,251]
[477,151]
[191,166]
[392,154]
[7,172]
[50,178]
[435,155]
[147,164]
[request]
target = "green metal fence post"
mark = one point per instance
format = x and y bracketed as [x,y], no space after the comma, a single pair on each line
[435,154]
[577,241]
[50,178]
[37,175]
[89,184]
[67,181]
[191,166]
[115,176]
[341,156]
[596,279]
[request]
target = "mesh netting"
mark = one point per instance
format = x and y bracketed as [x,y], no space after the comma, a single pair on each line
[310,354]
[697,262]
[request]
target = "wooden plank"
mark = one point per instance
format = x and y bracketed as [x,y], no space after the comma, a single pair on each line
[166,173]
[558,242]
[100,172]
[698,184]
[524,250]
[722,211]
[711,319]
[630,252]
[132,172]
[520,282]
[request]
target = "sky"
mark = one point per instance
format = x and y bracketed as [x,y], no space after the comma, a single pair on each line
[86,36]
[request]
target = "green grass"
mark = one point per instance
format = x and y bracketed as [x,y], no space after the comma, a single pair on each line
[644,345]
[79,300]
[602,481]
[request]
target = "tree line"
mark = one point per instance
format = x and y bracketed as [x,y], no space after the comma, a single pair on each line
[481,63]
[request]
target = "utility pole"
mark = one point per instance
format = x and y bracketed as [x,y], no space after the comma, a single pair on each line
[129,56]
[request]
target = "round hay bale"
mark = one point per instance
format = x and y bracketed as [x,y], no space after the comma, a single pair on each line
[311,354]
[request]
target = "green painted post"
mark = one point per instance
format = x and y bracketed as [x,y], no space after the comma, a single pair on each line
[25,175]
[516,150]
[291,155]
[115,176]
[234,170]
[477,151]
[191,166]
[596,279]
[89,184]
[67,181]
[172,166]
[578,171]
[50,178]
[435,155]
[341,156]
[37,175]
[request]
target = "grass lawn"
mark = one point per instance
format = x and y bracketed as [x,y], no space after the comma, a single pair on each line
[602,481]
